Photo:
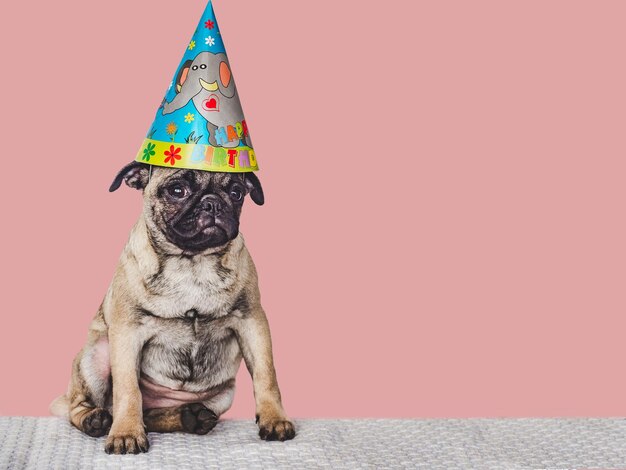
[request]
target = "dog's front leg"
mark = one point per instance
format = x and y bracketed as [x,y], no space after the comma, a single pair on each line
[127,434]
[253,334]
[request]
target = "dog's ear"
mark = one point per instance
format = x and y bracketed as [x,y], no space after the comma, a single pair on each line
[254,187]
[135,175]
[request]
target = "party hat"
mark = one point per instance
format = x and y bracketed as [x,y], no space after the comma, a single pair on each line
[200,123]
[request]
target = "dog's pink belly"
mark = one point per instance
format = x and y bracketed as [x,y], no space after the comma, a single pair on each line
[159,396]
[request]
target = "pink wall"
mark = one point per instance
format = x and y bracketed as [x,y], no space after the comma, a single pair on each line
[444,233]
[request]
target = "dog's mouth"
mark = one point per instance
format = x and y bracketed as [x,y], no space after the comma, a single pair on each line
[200,230]
[194,224]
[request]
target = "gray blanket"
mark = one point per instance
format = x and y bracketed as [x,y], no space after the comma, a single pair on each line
[334,443]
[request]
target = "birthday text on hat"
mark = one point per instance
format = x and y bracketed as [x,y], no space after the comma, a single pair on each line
[220,157]
[226,134]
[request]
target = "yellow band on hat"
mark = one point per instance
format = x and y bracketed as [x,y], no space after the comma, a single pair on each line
[197,156]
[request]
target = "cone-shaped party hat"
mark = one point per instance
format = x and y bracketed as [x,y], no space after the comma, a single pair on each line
[200,123]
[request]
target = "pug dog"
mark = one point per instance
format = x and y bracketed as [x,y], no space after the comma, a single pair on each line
[182,310]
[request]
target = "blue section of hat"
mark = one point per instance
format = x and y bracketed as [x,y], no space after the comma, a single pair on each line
[174,127]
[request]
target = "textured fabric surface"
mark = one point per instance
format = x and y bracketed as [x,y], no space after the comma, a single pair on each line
[364,443]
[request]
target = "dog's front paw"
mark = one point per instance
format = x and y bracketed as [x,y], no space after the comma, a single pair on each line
[276,429]
[127,442]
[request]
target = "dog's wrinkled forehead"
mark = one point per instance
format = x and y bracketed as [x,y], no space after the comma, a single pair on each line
[197,178]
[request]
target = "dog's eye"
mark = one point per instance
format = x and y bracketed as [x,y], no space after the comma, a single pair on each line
[177,191]
[236,194]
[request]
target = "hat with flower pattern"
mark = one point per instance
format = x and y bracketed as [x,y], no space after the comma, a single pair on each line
[200,123]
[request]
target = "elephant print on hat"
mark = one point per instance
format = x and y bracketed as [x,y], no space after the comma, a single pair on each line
[208,81]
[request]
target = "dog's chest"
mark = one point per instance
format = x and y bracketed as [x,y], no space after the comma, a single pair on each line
[193,352]
[189,308]
[183,287]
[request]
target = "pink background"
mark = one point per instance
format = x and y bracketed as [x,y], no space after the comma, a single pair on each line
[444,233]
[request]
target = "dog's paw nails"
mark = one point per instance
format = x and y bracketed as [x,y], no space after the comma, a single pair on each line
[197,418]
[126,443]
[277,430]
[97,422]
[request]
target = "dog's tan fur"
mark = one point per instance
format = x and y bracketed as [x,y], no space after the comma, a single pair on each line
[145,316]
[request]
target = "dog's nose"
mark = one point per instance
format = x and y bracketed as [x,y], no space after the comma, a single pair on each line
[212,204]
